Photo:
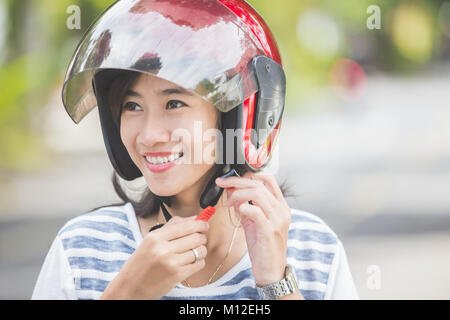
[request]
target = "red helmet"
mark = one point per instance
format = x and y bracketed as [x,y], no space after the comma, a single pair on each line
[220,49]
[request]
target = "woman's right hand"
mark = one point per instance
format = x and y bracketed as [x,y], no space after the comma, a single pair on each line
[163,259]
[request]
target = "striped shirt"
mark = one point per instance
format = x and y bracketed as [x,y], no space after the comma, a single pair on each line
[90,250]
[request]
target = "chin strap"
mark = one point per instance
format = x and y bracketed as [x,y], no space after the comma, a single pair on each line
[212,192]
[166,213]
[209,197]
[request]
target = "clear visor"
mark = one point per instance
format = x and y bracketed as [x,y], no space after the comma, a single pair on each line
[199,45]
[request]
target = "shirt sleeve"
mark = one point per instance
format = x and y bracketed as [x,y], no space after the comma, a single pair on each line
[55,280]
[341,285]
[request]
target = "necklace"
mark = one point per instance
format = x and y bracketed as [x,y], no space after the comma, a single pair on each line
[229,250]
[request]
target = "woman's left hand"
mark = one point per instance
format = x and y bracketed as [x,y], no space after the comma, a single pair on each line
[266,222]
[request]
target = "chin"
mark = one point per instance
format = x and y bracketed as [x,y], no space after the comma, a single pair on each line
[163,190]
[164,187]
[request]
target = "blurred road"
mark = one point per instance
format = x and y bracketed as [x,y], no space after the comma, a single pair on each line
[377,171]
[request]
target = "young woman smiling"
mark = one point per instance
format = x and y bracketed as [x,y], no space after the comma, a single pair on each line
[171,80]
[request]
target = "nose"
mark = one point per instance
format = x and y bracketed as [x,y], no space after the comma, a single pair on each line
[153,130]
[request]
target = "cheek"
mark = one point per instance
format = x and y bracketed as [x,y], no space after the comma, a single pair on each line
[128,136]
[212,136]
[200,143]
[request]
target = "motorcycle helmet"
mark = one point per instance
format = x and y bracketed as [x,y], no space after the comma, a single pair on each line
[222,50]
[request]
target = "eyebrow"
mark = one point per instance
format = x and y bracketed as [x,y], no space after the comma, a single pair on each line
[170,91]
[165,92]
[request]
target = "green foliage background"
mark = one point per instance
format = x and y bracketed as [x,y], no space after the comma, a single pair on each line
[38,47]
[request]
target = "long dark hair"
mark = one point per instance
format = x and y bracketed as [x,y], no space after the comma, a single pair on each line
[147,204]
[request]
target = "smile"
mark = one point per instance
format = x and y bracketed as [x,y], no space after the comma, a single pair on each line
[161,160]
[160,164]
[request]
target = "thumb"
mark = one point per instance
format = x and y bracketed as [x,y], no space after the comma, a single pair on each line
[178,219]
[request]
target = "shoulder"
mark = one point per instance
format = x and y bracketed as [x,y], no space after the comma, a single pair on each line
[102,228]
[313,250]
[306,226]
[94,247]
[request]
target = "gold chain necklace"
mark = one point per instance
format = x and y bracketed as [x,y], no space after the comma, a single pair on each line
[229,250]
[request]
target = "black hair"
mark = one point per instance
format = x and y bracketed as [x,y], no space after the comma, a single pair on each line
[148,203]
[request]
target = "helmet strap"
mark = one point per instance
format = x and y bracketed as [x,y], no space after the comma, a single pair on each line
[166,214]
[213,192]
[209,197]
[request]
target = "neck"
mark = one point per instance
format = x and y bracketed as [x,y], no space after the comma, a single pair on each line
[187,203]
[221,224]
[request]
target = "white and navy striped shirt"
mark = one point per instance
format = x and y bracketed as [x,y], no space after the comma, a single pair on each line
[90,250]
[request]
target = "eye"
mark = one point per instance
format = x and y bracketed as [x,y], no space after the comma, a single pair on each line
[129,106]
[175,104]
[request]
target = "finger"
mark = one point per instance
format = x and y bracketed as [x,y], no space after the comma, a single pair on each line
[260,197]
[283,211]
[177,219]
[186,243]
[228,192]
[238,182]
[234,183]
[254,214]
[173,220]
[188,257]
[269,181]
[177,230]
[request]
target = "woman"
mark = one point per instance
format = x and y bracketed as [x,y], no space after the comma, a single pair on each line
[188,92]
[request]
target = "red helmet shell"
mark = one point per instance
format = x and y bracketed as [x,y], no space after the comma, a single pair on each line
[256,157]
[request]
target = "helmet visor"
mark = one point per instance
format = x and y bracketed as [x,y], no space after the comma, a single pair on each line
[199,45]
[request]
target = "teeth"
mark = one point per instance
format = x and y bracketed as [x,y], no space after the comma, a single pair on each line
[159,160]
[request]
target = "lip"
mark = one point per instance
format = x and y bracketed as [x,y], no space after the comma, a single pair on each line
[160,154]
[162,166]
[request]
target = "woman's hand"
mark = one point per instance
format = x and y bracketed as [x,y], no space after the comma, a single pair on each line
[266,222]
[162,260]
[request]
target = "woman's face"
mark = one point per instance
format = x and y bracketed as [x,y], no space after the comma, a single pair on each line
[158,116]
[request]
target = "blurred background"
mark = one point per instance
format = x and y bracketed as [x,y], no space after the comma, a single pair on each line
[365,143]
